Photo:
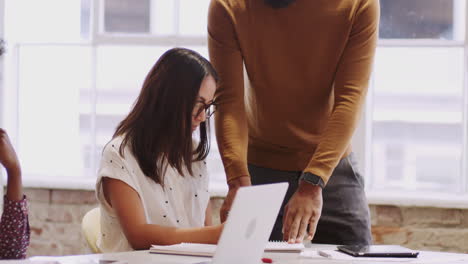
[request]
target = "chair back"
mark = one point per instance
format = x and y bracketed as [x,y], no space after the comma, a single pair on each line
[91,228]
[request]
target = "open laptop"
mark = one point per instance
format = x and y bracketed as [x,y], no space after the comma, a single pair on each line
[249,224]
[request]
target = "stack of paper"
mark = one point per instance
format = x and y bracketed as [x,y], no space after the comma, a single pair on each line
[191,249]
[278,246]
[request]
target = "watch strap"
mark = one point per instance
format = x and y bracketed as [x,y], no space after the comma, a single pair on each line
[312,179]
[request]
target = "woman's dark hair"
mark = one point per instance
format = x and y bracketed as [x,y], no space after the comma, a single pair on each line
[279,3]
[158,129]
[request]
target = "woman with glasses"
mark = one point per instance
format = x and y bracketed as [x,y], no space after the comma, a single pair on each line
[152,183]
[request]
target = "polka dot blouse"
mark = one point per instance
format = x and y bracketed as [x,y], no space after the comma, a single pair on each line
[14,229]
[181,203]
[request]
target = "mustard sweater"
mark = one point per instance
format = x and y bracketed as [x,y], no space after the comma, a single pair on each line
[307,72]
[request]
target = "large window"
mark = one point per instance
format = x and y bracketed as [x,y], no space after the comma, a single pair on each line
[418,100]
[74,68]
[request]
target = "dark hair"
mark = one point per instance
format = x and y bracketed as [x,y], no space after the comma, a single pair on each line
[159,127]
[279,3]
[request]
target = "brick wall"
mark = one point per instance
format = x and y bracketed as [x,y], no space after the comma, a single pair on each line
[438,229]
[55,219]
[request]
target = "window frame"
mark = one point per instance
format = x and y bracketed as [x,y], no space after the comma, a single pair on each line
[418,198]
[97,38]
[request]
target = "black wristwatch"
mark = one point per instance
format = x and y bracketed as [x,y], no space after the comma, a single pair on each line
[312,179]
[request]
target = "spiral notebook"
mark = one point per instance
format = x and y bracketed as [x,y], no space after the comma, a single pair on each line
[208,250]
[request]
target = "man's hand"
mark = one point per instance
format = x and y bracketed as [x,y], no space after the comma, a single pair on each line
[303,209]
[234,185]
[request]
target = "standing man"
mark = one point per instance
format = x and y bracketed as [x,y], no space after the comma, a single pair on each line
[308,64]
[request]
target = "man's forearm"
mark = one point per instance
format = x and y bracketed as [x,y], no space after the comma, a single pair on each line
[239,182]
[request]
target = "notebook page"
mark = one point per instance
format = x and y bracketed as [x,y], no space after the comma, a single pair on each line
[192,249]
[282,246]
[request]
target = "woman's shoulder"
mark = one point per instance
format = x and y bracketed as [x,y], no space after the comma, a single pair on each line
[117,164]
[112,148]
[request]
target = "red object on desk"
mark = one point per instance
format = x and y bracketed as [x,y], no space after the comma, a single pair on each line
[267,260]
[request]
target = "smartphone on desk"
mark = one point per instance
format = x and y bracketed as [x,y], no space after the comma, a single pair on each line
[390,251]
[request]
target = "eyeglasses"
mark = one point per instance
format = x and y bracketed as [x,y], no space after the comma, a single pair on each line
[209,109]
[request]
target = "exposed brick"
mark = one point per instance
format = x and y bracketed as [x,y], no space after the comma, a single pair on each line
[38,211]
[71,249]
[82,210]
[464,221]
[42,248]
[35,230]
[389,235]
[373,214]
[60,213]
[442,239]
[75,247]
[216,204]
[37,195]
[41,231]
[388,215]
[55,219]
[67,232]
[73,197]
[431,217]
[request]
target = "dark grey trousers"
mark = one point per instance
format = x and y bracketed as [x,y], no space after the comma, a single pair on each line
[345,214]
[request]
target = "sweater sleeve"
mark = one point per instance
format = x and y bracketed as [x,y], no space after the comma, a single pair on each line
[350,88]
[230,119]
[14,229]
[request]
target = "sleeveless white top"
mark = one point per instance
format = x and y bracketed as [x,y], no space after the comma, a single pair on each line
[182,202]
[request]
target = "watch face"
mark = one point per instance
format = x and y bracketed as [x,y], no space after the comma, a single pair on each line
[313,179]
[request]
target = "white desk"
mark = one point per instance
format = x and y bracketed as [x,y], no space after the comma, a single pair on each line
[144,257]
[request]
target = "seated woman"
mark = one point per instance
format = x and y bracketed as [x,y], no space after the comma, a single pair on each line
[152,183]
[14,224]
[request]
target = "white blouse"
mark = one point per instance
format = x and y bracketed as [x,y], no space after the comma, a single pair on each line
[182,202]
